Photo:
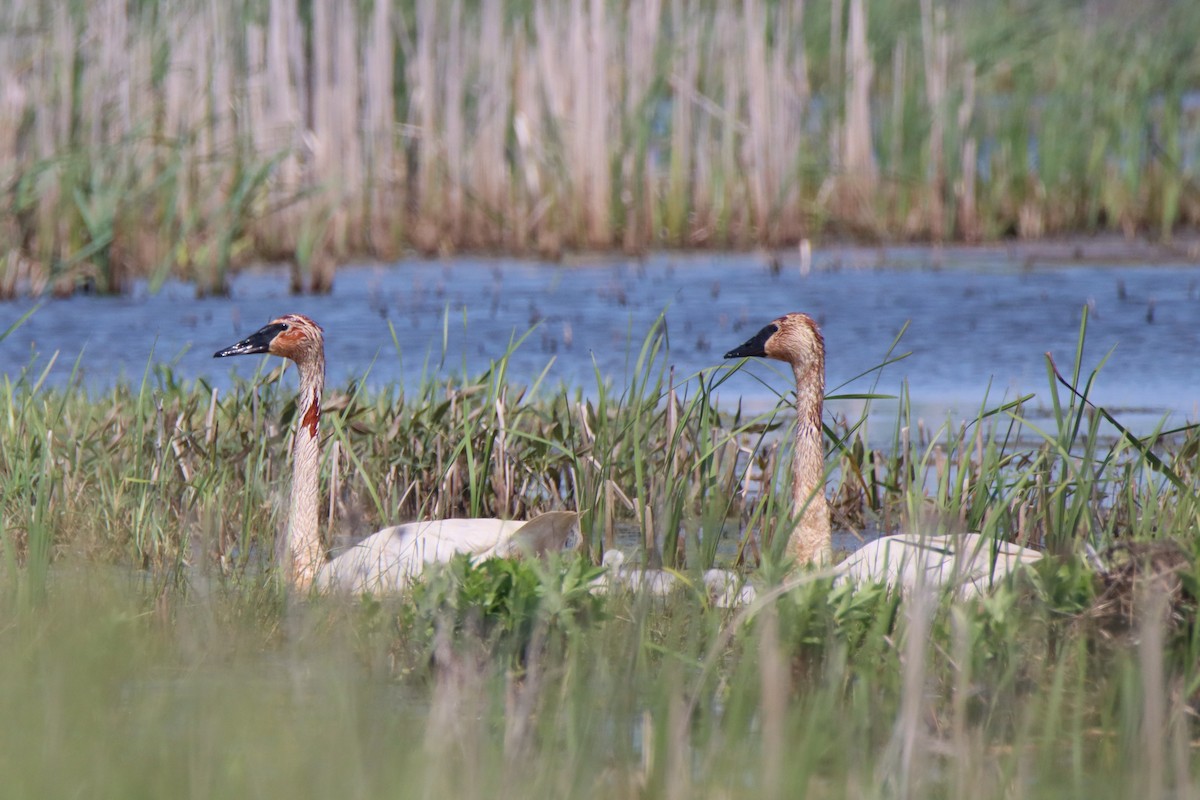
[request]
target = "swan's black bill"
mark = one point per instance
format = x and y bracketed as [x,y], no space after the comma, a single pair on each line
[257,342]
[756,345]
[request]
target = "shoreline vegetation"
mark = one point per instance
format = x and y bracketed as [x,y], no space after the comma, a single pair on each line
[656,462]
[151,140]
[187,672]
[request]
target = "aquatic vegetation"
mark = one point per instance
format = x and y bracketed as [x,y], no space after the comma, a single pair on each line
[146,649]
[845,693]
[145,140]
[175,477]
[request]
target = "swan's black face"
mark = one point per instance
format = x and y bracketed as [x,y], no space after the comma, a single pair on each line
[257,342]
[756,346]
[293,336]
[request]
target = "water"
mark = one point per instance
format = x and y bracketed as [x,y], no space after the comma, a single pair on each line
[977,318]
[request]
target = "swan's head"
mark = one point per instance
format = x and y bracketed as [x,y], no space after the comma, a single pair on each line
[794,338]
[293,336]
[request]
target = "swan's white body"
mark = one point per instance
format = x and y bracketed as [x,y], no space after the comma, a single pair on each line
[966,562]
[723,588]
[388,560]
[969,564]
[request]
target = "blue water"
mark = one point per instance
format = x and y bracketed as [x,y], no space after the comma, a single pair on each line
[976,318]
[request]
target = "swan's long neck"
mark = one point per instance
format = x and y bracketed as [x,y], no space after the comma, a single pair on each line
[303,553]
[811,541]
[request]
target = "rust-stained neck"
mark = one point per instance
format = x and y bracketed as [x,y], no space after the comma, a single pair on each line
[305,346]
[298,338]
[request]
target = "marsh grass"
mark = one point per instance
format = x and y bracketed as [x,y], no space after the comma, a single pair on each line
[856,694]
[145,474]
[183,670]
[139,140]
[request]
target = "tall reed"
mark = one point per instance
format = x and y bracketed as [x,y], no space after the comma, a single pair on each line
[145,140]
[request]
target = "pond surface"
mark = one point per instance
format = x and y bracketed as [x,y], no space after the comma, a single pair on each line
[976,317]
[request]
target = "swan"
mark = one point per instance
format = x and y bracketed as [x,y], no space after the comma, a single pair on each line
[389,559]
[969,562]
[796,339]
[723,588]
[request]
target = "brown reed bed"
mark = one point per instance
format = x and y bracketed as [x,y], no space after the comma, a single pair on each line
[149,140]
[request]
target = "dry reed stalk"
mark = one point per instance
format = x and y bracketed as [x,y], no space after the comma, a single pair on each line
[941,476]
[1031,217]
[210,426]
[967,216]
[598,178]
[936,48]
[790,77]
[323,121]
[836,62]
[645,514]
[220,89]
[335,488]
[453,142]
[896,146]
[685,85]
[860,173]
[610,530]
[556,41]
[760,104]
[486,166]
[116,64]
[382,178]
[257,91]
[526,124]
[776,87]
[346,132]
[178,447]
[179,102]
[709,147]
[335,133]
[553,85]
[502,468]
[643,42]
[732,166]
[55,129]
[288,75]
[10,271]
[13,100]
[422,83]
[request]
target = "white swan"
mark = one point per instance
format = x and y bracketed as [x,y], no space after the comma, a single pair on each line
[387,560]
[969,562]
[723,588]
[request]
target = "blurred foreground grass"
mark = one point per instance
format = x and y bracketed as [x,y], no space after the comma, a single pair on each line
[108,692]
